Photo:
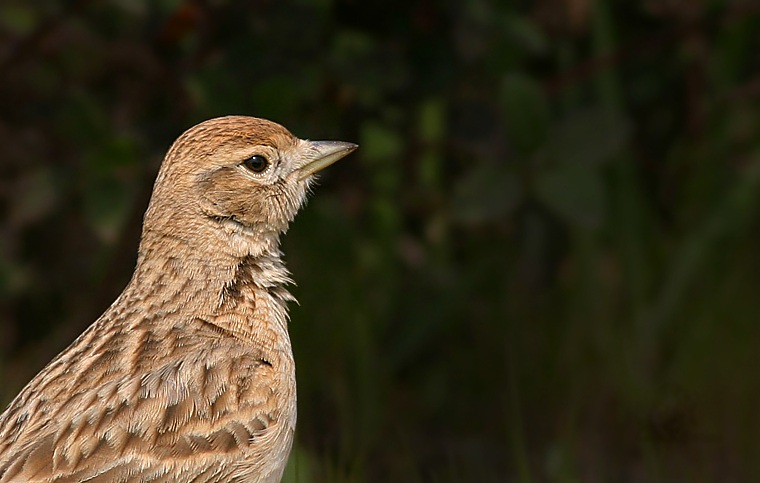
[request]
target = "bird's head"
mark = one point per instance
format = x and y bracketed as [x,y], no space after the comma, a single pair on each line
[236,181]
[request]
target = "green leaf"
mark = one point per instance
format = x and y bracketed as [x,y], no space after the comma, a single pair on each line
[19,19]
[379,142]
[106,207]
[107,193]
[526,35]
[526,112]
[432,120]
[588,137]
[299,468]
[487,193]
[273,98]
[574,193]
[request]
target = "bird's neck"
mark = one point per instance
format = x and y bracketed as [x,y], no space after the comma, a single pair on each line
[244,295]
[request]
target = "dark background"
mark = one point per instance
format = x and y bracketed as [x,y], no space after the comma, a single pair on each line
[542,265]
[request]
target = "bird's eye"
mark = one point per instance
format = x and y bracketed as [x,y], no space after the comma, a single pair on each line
[256,163]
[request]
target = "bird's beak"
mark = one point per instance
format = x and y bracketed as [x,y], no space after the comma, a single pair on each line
[325,154]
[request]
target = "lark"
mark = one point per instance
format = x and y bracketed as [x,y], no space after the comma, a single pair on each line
[189,375]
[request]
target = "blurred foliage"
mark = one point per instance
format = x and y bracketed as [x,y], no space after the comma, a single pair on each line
[540,265]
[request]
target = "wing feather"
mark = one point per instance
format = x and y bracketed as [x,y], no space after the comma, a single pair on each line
[181,419]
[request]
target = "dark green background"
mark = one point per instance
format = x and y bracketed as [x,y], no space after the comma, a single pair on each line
[541,265]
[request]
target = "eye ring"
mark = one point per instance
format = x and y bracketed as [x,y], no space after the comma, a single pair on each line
[256,163]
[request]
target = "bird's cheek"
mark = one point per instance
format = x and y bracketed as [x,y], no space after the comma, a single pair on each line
[254,209]
[247,209]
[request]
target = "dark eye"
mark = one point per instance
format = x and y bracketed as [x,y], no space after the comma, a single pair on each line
[256,163]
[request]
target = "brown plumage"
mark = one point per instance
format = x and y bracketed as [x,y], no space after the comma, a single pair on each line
[189,375]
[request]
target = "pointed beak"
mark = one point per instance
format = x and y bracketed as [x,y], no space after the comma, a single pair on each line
[325,153]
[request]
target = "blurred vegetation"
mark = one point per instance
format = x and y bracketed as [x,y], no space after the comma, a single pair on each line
[541,265]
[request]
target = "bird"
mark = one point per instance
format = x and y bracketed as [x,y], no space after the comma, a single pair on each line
[189,375]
